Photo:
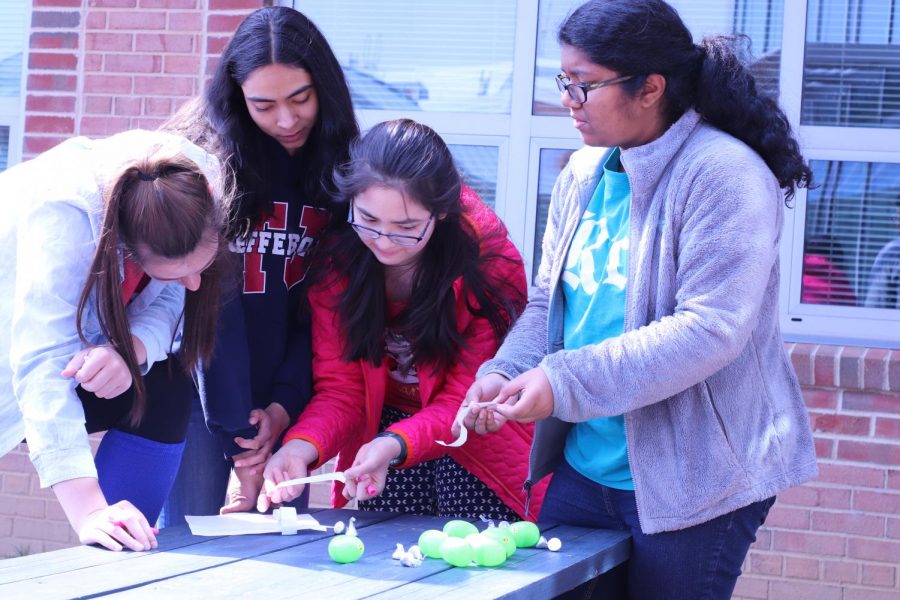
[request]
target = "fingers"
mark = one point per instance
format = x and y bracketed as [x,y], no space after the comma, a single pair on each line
[74,364]
[119,526]
[248,443]
[251,458]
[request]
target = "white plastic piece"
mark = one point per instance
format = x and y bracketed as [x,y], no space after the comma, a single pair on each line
[416,552]
[503,524]
[351,528]
[463,432]
[409,560]
[553,544]
[336,476]
[287,520]
[338,528]
[399,552]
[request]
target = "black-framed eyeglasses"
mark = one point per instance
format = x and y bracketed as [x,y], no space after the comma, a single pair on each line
[397,238]
[578,91]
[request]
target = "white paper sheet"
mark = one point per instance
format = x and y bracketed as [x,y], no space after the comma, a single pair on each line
[245,523]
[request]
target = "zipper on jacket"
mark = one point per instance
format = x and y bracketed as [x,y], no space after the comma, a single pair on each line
[526,489]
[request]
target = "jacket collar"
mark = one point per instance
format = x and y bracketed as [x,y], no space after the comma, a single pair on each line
[646,164]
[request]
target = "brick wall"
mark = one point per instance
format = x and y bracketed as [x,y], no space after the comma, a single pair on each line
[839,536]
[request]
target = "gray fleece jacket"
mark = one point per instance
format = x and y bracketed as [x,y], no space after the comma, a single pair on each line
[714,417]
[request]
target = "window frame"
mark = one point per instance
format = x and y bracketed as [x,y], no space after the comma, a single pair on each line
[12,108]
[526,135]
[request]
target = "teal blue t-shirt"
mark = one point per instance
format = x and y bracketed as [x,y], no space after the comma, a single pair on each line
[594,281]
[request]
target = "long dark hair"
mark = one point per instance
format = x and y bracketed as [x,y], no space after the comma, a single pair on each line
[278,35]
[164,204]
[640,37]
[412,159]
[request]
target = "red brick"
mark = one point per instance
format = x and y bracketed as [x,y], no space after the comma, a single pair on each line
[137,20]
[875,369]
[884,454]
[869,402]
[816,398]
[109,42]
[894,372]
[44,40]
[874,550]
[809,543]
[755,588]
[164,42]
[840,571]
[93,62]
[56,3]
[224,23]
[164,86]
[234,4]
[15,483]
[183,4]
[893,479]
[181,65]
[127,106]
[147,123]
[855,593]
[6,527]
[211,63]
[39,529]
[110,84]
[878,575]
[185,21]
[808,495]
[797,590]
[765,564]
[215,45]
[840,522]
[114,3]
[52,61]
[850,367]
[824,447]
[788,518]
[796,567]
[825,365]
[887,428]
[876,502]
[55,19]
[801,358]
[840,424]
[159,107]
[133,63]
[34,145]
[103,125]
[893,528]
[851,475]
[61,104]
[49,124]
[96,19]
[52,82]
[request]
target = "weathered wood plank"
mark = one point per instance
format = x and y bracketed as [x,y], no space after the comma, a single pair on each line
[93,571]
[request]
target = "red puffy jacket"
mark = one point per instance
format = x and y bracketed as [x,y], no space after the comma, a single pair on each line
[345,410]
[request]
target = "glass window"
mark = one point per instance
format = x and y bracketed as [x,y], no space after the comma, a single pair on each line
[4,148]
[552,162]
[851,67]
[851,253]
[478,166]
[422,54]
[12,41]
[760,20]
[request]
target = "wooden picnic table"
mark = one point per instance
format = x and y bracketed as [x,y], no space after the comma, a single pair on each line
[298,566]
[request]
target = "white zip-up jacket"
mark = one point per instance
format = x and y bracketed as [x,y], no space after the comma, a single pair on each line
[52,214]
[714,416]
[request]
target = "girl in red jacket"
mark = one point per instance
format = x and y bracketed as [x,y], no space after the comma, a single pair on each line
[421,286]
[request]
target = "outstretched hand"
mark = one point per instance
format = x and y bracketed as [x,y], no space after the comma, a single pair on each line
[527,398]
[290,462]
[482,419]
[270,424]
[368,474]
[117,526]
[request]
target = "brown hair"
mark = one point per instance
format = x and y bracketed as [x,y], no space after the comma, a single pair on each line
[165,204]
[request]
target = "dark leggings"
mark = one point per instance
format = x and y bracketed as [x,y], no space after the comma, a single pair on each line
[169,392]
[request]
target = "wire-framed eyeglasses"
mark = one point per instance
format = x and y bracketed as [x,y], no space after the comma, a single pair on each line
[398,238]
[578,91]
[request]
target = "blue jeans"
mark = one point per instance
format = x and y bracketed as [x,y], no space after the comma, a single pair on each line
[200,486]
[700,562]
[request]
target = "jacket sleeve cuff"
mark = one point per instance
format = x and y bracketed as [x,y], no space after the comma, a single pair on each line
[497,365]
[226,439]
[301,436]
[155,350]
[63,465]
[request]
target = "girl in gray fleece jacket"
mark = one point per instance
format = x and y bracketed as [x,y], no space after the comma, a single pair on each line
[650,354]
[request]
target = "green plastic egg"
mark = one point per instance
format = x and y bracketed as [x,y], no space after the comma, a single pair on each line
[502,535]
[430,542]
[345,548]
[488,551]
[525,533]
[459,529]
[457,552]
